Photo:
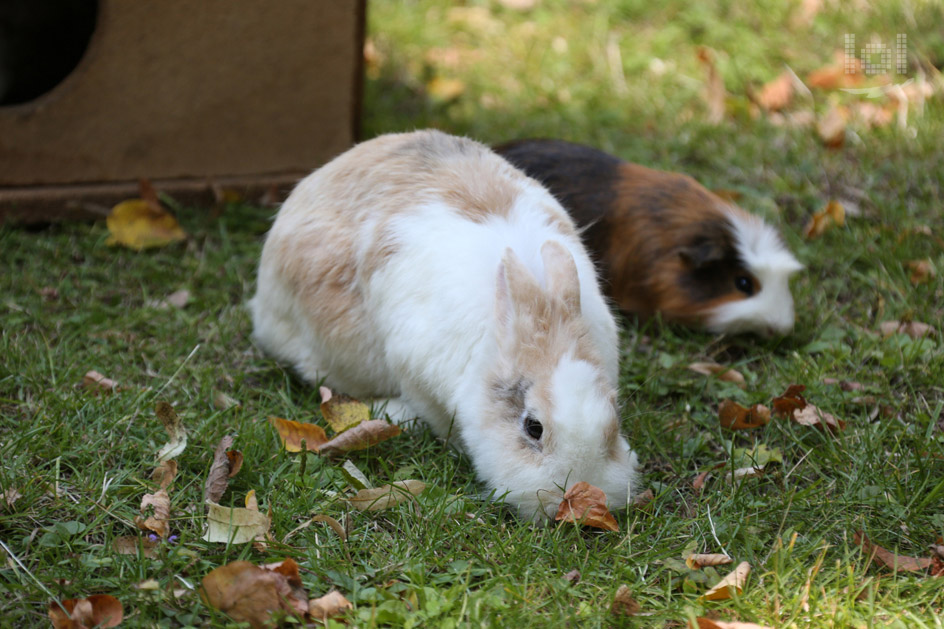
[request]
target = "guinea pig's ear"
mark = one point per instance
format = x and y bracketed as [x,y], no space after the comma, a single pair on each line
[561,272]
[706,243]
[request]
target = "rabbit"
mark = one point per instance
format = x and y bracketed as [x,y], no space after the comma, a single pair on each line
[664,243]
[422,271]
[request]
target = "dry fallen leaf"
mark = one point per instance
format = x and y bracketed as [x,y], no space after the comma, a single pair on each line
[812,416]
[387,495]
[714,93]
[235,525]
[776,94]
[733,416]
[921,271]
[696,561]
[165,473]
[292,434]
[914,329]
[707,623]
[141,224]
[623,603]
[585,504]
[833,214]
[573,576]
[330,605]
[159,522]
[175,430]
[221,470]
[249,593]
[342,411]
[724,373]
[362,436]
[641,500]
[733,582]
[95,381]
[9,497]
[129,545]
[837,75]
[223,402]
[832,127]
[888,559]
[790,401]
[98,610]
[334,524]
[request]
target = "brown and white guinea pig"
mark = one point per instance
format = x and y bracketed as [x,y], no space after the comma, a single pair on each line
[666,244]
[424,269]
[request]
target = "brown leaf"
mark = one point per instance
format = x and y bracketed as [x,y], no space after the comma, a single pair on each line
[386,496]
[832,127]
[833,214]
[342,411]
[921,271]
[95,381]
[697,561]
[724,373]
[888,559]
[699,481]
[790,401]
[640,501]
[777,94]
[914,329]
[733,582]
[129,545]
[845,385]
[9,497]
[585,504]
[164,473]
[334,524]
[623,603]
[293,433]
[331,605]
[362,436]
[159,522]
[248,593]
[223,402]
[175,430]
[98,610]
[235,461]
[218,479]
[812,416]
[714,93]
[573,576]
[733,416]
[837,75]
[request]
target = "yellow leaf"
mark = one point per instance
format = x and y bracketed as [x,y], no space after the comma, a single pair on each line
[833,214]
[293,433]
[234,525]
[443,89]
[139,225]
[733,582]
[342,411]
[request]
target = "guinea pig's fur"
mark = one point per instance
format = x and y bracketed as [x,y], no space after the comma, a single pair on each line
[424,269]
[666,244]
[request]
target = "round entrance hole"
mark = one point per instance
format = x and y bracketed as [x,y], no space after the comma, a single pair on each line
[41,43]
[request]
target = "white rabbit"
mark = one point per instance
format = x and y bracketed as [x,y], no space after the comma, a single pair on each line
[423,268]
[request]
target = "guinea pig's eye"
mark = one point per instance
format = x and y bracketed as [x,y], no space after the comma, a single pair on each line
[533,427]
[744,284]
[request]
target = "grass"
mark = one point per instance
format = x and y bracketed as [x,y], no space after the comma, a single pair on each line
[82,462]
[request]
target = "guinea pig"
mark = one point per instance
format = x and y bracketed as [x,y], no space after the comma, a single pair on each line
[666,244]
[422,271]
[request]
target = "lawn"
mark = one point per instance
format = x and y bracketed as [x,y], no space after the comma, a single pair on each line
[621,75]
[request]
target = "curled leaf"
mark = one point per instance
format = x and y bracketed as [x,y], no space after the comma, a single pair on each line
[95,381]
[832,129]
[342,411]
[888,559]
[812,416]
[359,437]
[248,593]
[733,416]
[158,523]
[585,504]
[776,94]
[833,214]
[218,479]
[725,588]
[98,610]
[696,561]
[790,401]
[330,605]
[724,373]
[354,476]
[292,434]
[223,402]
[164,473]
[175,430]
[386,496]
[623,603]
[234,525]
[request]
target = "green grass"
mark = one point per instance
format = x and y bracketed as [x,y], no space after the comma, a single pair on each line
[82,462]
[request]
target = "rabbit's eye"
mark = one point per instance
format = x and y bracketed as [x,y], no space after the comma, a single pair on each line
[533,427]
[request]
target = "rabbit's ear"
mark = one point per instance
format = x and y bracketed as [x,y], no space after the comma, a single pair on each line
[561,272]
[517,293]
